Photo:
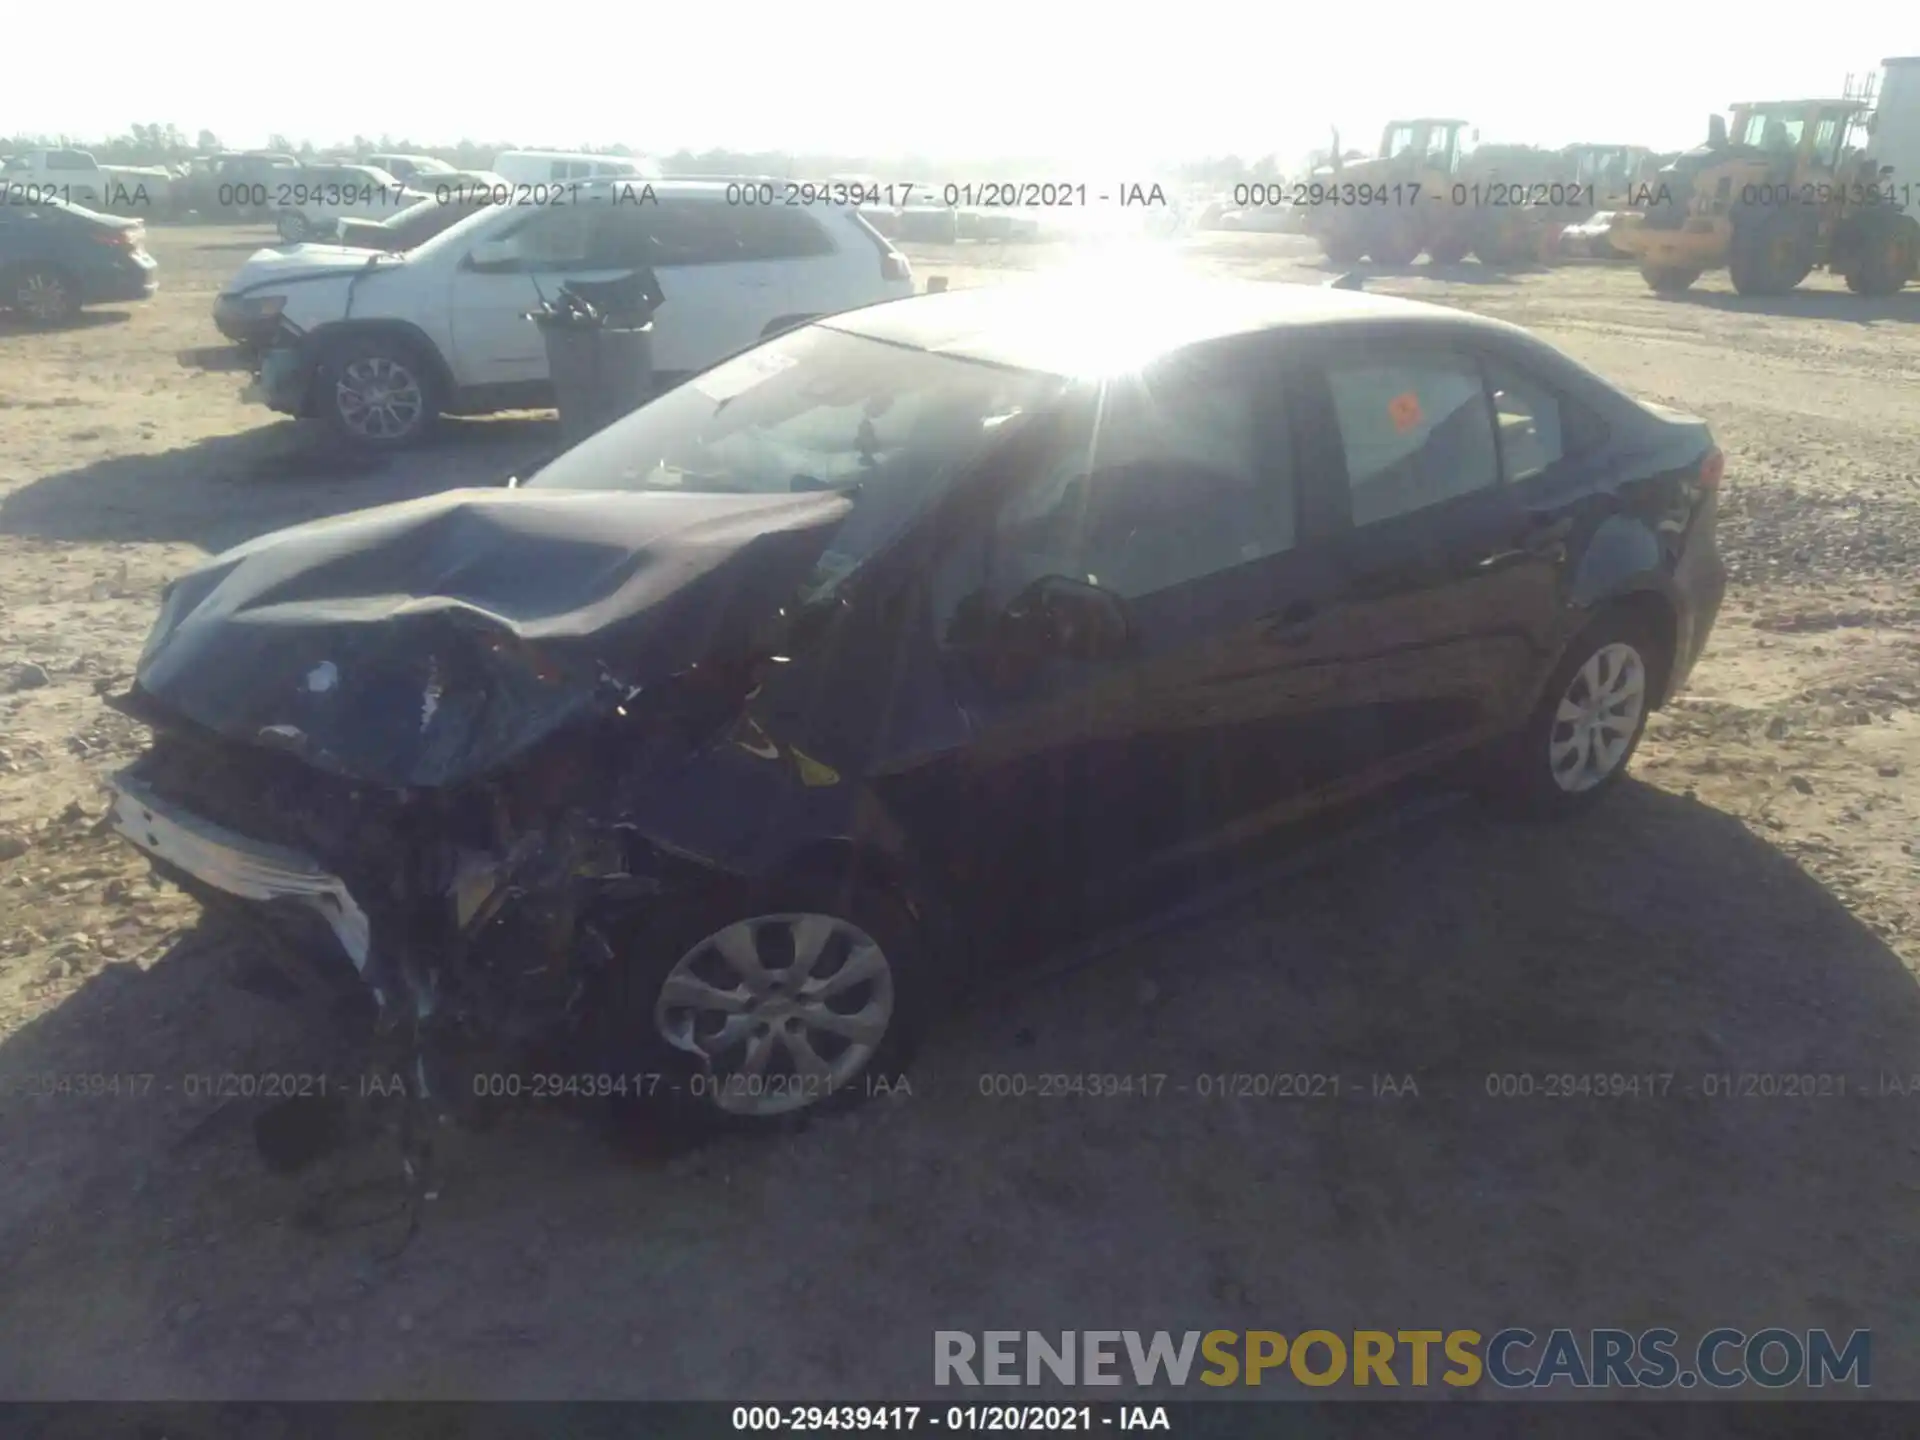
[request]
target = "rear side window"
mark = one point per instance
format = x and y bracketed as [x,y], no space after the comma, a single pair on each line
[1528,415]
[673,232]
[763,232]
[1416,431]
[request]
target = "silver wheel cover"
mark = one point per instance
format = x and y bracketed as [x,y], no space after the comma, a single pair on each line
[1596,718]
[42,296]
[782,1010]
[378,398]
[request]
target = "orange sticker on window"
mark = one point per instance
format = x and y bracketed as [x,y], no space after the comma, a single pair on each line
[1405,410]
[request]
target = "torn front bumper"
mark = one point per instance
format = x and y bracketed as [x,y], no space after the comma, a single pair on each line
[280,380]
[237,864]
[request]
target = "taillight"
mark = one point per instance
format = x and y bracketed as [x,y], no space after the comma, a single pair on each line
[1712,469]
[119,239]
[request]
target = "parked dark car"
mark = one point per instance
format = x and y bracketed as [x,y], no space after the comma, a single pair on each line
[56,258]
[725,748]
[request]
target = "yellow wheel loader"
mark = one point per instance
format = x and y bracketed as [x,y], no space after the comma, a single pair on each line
[1790,189]
[1422,193]
[1600,182]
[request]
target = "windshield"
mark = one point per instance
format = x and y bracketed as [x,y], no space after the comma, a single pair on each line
[815,409]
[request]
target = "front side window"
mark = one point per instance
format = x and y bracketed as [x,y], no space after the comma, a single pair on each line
[816,409]
[1163,480]
[556,237]
[1416,431]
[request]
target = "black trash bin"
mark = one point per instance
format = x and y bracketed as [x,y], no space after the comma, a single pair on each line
[599,338]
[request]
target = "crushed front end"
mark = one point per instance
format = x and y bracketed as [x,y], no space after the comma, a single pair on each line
[419,742]
[469,915]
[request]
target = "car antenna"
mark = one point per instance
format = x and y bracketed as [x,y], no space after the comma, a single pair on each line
[1352,280]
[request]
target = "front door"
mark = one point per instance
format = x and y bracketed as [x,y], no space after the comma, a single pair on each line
[1174,493]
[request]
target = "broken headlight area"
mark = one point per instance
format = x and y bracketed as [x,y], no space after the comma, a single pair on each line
[481,918]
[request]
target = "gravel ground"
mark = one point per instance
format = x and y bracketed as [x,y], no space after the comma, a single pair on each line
[1748,906]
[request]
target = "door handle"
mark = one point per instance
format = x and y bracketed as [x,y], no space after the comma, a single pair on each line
[1292,626]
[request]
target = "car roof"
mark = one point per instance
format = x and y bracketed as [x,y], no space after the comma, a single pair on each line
[1076,326]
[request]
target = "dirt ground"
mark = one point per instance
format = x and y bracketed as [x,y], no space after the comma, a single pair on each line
[1749,906]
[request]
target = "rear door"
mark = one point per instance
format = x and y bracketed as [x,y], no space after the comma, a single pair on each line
[1447,579]
[723,271]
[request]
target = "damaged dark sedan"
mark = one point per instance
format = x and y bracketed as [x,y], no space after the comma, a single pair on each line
[722,751]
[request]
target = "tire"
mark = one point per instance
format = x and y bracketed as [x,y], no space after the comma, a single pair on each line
[292,225]
[1884,258]
[1769,254]
[42,295]
[641,1031]
[1668,279]
[1342,249]
[377,392]
[1447,252]
[1395,245]
[1544,770]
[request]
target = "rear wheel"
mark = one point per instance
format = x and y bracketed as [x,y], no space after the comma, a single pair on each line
[42,295]
[292,225]
[1668,279]
[1577,743]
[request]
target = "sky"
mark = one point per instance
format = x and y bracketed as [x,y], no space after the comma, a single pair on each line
[1108,91]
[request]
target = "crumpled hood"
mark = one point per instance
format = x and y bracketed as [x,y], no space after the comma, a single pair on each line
[428,642]
[305,261]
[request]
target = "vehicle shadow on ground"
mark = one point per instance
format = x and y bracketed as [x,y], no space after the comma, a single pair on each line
[11,324]
[1807,305]
[1493,1074]
[229,488]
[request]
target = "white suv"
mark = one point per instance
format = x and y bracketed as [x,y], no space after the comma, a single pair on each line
[380,347]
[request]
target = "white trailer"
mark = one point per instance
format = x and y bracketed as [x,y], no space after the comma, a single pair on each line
[1896,128]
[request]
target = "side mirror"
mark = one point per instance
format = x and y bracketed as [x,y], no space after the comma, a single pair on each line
[1066,619]
[493,255]
[1716,132]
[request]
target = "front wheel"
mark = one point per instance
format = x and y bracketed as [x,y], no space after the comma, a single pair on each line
[377,394]
[42,295]
[1577,743]
[1668,279]
[755,1008]
[1342,249]
[292,226]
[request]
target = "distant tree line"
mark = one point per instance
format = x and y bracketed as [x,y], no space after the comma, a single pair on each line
[168,145]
